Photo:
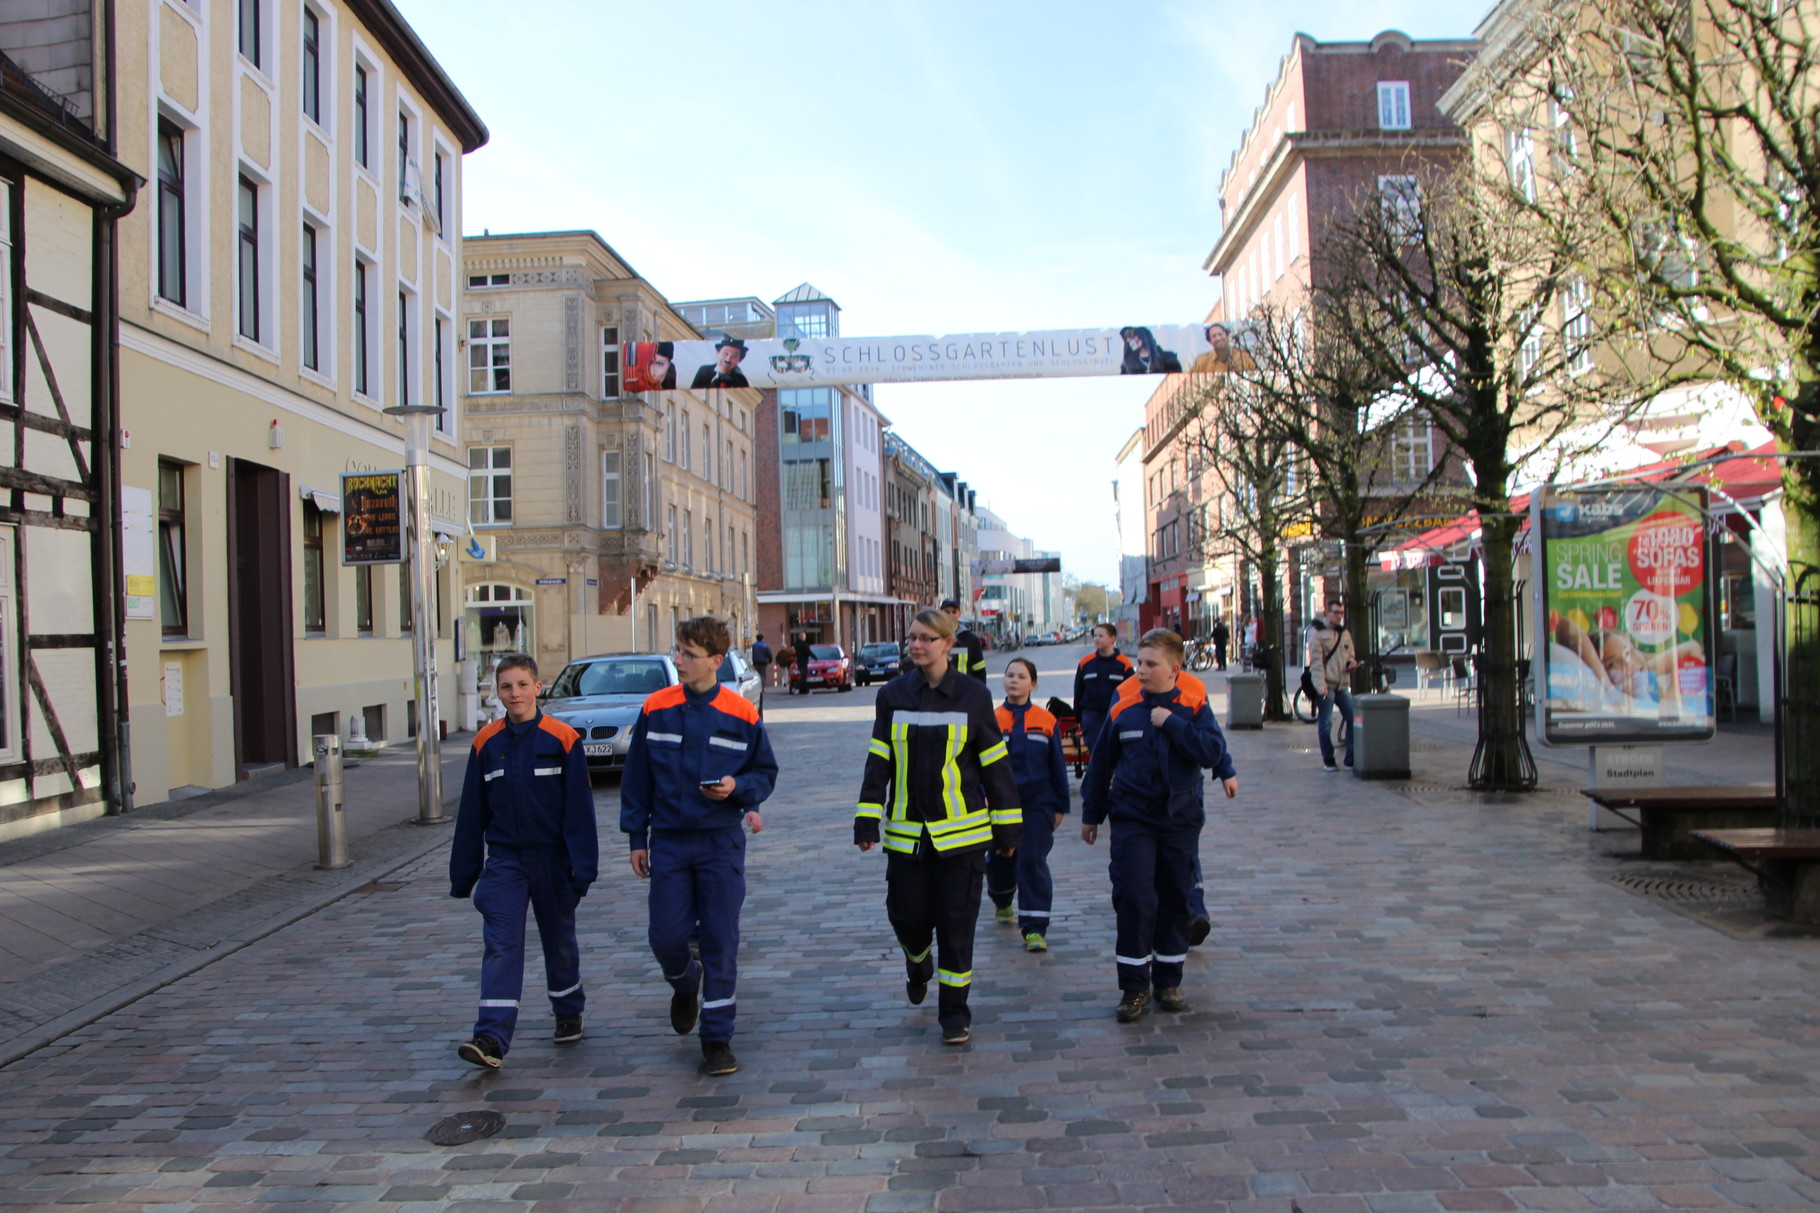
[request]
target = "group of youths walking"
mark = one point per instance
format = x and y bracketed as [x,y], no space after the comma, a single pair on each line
[961,796]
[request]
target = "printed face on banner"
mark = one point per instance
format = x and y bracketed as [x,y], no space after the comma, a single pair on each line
[1624,643]
[727,362]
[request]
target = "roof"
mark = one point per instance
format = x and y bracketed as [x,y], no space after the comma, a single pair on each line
[804,293]
[388,25]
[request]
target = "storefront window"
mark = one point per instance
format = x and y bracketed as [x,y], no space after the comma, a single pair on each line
[498,619]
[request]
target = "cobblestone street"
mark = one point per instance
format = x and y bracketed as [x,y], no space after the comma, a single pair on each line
[1412,1000]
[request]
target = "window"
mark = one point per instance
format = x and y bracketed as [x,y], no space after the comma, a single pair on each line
[726,468]
[362,330]
[1295,233]
[404,348]
[489,485]
[442,385]
[1529,347]
[1576,327]
[670,532]
[173,552]
[649,518]
[442,224]
[743,495]
[1519,151]
[609,364]
[363,119]
[707,545]
[489,356]
[1401,199]
[363,599]
[6,290]
[1393,105]
[314,615]
[1277,261]
[249,23]
[611,515]
[247,248]
[1412,451]
[730,552]
[404,150]
[707,453]
[476,281]
[312,66]
[172,202]
[1567,144]
[688,539]
[684,438]
[310,305]
[670,433]
[809,320]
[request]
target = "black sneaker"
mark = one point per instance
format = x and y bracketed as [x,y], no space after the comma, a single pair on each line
[685,1008]
[916,991]
[956,1036]
[568,1029]
[1133,1005]
[482,1051]
[717,1060]
[1330,768]
[1171,1000]
[1199,928]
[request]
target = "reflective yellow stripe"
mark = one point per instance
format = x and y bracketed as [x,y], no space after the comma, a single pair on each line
[904,829]
[965,822]
[900,747]
[992,754]
[879,748]
[899,845]
[952,800]
[916,957]
[869,810]
[956,842]
[954,979]
[1007,817]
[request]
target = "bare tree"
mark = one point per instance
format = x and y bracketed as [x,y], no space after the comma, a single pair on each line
[1445,292]
[1259,497]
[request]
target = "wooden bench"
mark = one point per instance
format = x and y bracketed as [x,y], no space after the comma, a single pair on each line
[1668,816]
[1787,864]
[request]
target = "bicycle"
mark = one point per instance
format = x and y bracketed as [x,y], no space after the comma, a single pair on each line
[1200,655]
[1381,679]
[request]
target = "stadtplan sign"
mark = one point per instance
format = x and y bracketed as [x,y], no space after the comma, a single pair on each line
[1624,616]
[733,362]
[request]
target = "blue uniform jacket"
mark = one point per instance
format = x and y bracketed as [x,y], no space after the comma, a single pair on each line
[1036,757]
[683,737]
[1151,774]
[1097,680]
[526,790]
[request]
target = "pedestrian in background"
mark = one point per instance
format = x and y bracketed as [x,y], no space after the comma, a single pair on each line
[524,836]
[761,661]
[804,655]
[969,652]
[1331,661]
[698,767]
[1035,749]
[1220,634]
[1145,775]
[938,782]
[1097,679]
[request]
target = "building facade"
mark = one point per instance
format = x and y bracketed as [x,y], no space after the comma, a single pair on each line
[915,548]
[63,737]
[295,270]
[605,516]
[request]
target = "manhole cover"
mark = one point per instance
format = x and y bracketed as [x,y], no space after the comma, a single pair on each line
[464,1127]
[1680,888]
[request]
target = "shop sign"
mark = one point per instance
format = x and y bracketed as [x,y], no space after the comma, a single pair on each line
[552,581]
[1624,615]
[372,529]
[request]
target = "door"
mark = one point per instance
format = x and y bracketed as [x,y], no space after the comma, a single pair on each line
[259,617]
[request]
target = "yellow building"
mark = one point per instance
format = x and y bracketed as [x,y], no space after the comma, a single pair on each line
[605,516]
[293,269]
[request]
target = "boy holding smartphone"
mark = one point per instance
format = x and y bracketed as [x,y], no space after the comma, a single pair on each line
[698,767]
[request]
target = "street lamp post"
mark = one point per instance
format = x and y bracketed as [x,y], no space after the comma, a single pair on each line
[423,609]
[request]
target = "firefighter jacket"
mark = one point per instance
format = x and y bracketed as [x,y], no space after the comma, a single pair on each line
[526,790]
[683,737]
[1034,742]
[1151,774]
[1096,681]
[936,768]
[969,656]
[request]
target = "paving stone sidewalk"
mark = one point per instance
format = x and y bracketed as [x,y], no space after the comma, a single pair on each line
[1410,1002]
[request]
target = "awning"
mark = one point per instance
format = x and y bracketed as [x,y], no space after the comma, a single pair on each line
[447,529]
[328,503]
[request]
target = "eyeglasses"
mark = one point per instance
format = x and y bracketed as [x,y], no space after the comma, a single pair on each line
[682,654]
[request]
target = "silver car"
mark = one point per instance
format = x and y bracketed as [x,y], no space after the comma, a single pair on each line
[600,697]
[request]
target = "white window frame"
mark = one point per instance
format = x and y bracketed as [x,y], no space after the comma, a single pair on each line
[1529,346]
[6,289]
[1412,449]
[611,381]
[1393,105]
[265,254]
[684,440]
[670,531]
[669,433]
[483,485]
[364,327]
[482,345]
[10,731]
[1400,194]
[443,361]
[366,60]
[410,345]
[612,481]
[1520,156]
[1576,326]
[325,68]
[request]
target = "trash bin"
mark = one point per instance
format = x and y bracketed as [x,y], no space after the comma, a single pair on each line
[1244,701]
[1380,737]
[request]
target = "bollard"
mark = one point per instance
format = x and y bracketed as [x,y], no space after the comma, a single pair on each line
[331,825]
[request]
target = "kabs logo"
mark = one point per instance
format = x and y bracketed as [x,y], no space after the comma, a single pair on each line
[1567,512]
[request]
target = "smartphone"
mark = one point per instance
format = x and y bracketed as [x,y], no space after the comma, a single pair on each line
[710,783]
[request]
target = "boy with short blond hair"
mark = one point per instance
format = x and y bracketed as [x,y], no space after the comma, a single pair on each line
[524,836]
[698,767]
[1145,775]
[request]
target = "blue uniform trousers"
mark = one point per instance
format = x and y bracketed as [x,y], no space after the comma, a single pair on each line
[698,884]
[511,881]
[1323,722]
[1025,875]
[1091,724]
[1197,896]
[1152,876]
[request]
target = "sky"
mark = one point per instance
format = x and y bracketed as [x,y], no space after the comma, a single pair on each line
[934,166]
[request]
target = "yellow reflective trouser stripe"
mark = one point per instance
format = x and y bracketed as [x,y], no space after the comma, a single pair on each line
[992,754]
[954,979]
[916,957]
[880,748]
[869,810]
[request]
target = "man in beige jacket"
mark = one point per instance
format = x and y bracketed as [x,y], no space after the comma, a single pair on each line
[1331,659]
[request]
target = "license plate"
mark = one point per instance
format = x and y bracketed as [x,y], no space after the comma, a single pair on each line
[602,749]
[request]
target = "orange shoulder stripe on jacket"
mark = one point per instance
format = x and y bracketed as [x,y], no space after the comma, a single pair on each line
[1126,662]
[562,732]
[1194,691]
[668,697]
[1039,720]
[1003,715]
[1130,691]
[736,705]
[1086,659]
[488,732]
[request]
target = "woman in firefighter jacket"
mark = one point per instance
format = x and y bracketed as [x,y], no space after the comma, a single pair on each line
[939,793]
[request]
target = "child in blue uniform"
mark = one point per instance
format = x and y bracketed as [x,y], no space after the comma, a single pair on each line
[1145,774]
[1042,787]
[698,766]
[524,835]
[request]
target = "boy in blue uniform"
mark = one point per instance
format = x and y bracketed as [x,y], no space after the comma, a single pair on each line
[524,835]
[1097,680]
[1146,776]
[1032,739]
[698,766]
